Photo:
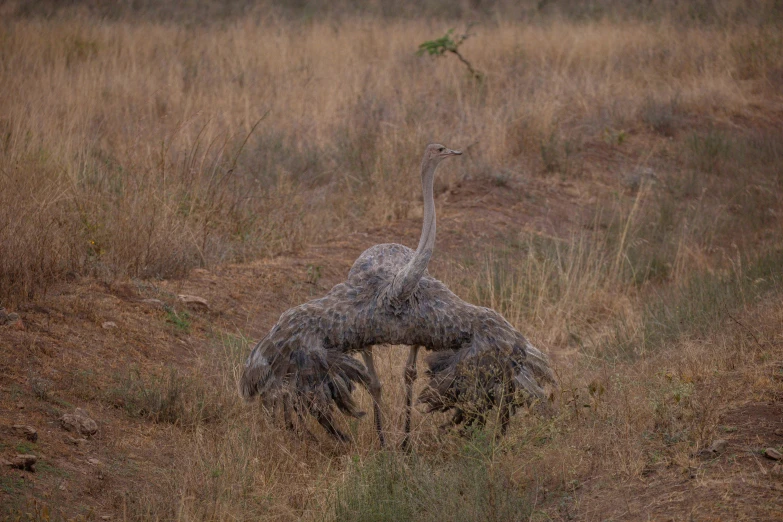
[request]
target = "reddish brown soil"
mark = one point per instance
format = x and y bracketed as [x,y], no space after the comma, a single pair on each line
[737,484]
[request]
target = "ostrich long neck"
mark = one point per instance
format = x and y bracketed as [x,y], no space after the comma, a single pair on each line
[408,277]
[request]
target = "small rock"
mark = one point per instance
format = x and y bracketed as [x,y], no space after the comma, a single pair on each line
[7,318]
[17,325]
[154,302]
[79,422]
[643,175]
[25,462]
[27,432]
[716,448]
[94,462]
[779,432]
[108,325]
[81,441]
[772,453]
[777,471]
[194,302]
[62,486]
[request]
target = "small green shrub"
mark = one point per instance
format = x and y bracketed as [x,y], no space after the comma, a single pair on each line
[25,447]
[181,319]
[469,486]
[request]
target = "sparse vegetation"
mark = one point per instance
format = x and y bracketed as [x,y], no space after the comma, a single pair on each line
[180,319]
[151,185]
[620,203]
[169,398]
[471,485]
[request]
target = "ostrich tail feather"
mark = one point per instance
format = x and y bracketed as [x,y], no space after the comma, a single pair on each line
[256,374]
[538,363]
[483,375]
[316,377]
[338,382]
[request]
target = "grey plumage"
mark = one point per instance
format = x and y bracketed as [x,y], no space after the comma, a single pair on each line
[479,360]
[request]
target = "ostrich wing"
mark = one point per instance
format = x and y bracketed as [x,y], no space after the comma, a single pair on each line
[497,365]
[295,357]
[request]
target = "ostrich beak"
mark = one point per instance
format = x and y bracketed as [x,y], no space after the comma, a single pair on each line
[450,152]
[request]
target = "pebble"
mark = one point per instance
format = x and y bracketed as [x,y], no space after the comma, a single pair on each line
[772,453]
[27,432]
[76,442]
[25,462]
[80,422]
[716,448]
[194,301]
[6,318]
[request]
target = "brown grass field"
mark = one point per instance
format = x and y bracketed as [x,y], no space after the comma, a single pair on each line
[620,201]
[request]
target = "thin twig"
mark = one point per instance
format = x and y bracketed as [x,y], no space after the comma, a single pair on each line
[477,75]
[744,327]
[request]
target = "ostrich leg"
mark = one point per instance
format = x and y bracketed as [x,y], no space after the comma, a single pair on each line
[375,391]
[287,407]
[410,377]
[506,409]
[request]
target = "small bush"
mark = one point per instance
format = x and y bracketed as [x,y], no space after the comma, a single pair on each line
[708,152]
[469,486]
[181,319]
[560,155]
[171,399]
[661,116]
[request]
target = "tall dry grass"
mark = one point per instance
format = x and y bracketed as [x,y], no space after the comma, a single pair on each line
[144,149]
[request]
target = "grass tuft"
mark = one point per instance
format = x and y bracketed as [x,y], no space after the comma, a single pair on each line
[467,486]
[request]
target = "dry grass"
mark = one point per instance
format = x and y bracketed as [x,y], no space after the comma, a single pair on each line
[137,148]
[617,420]
[145,149]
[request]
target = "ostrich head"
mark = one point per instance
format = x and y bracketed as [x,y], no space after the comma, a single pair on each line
[434,154]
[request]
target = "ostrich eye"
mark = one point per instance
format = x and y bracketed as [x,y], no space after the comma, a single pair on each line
[441,149]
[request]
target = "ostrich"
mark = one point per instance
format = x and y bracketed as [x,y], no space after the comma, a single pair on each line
[478,360]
